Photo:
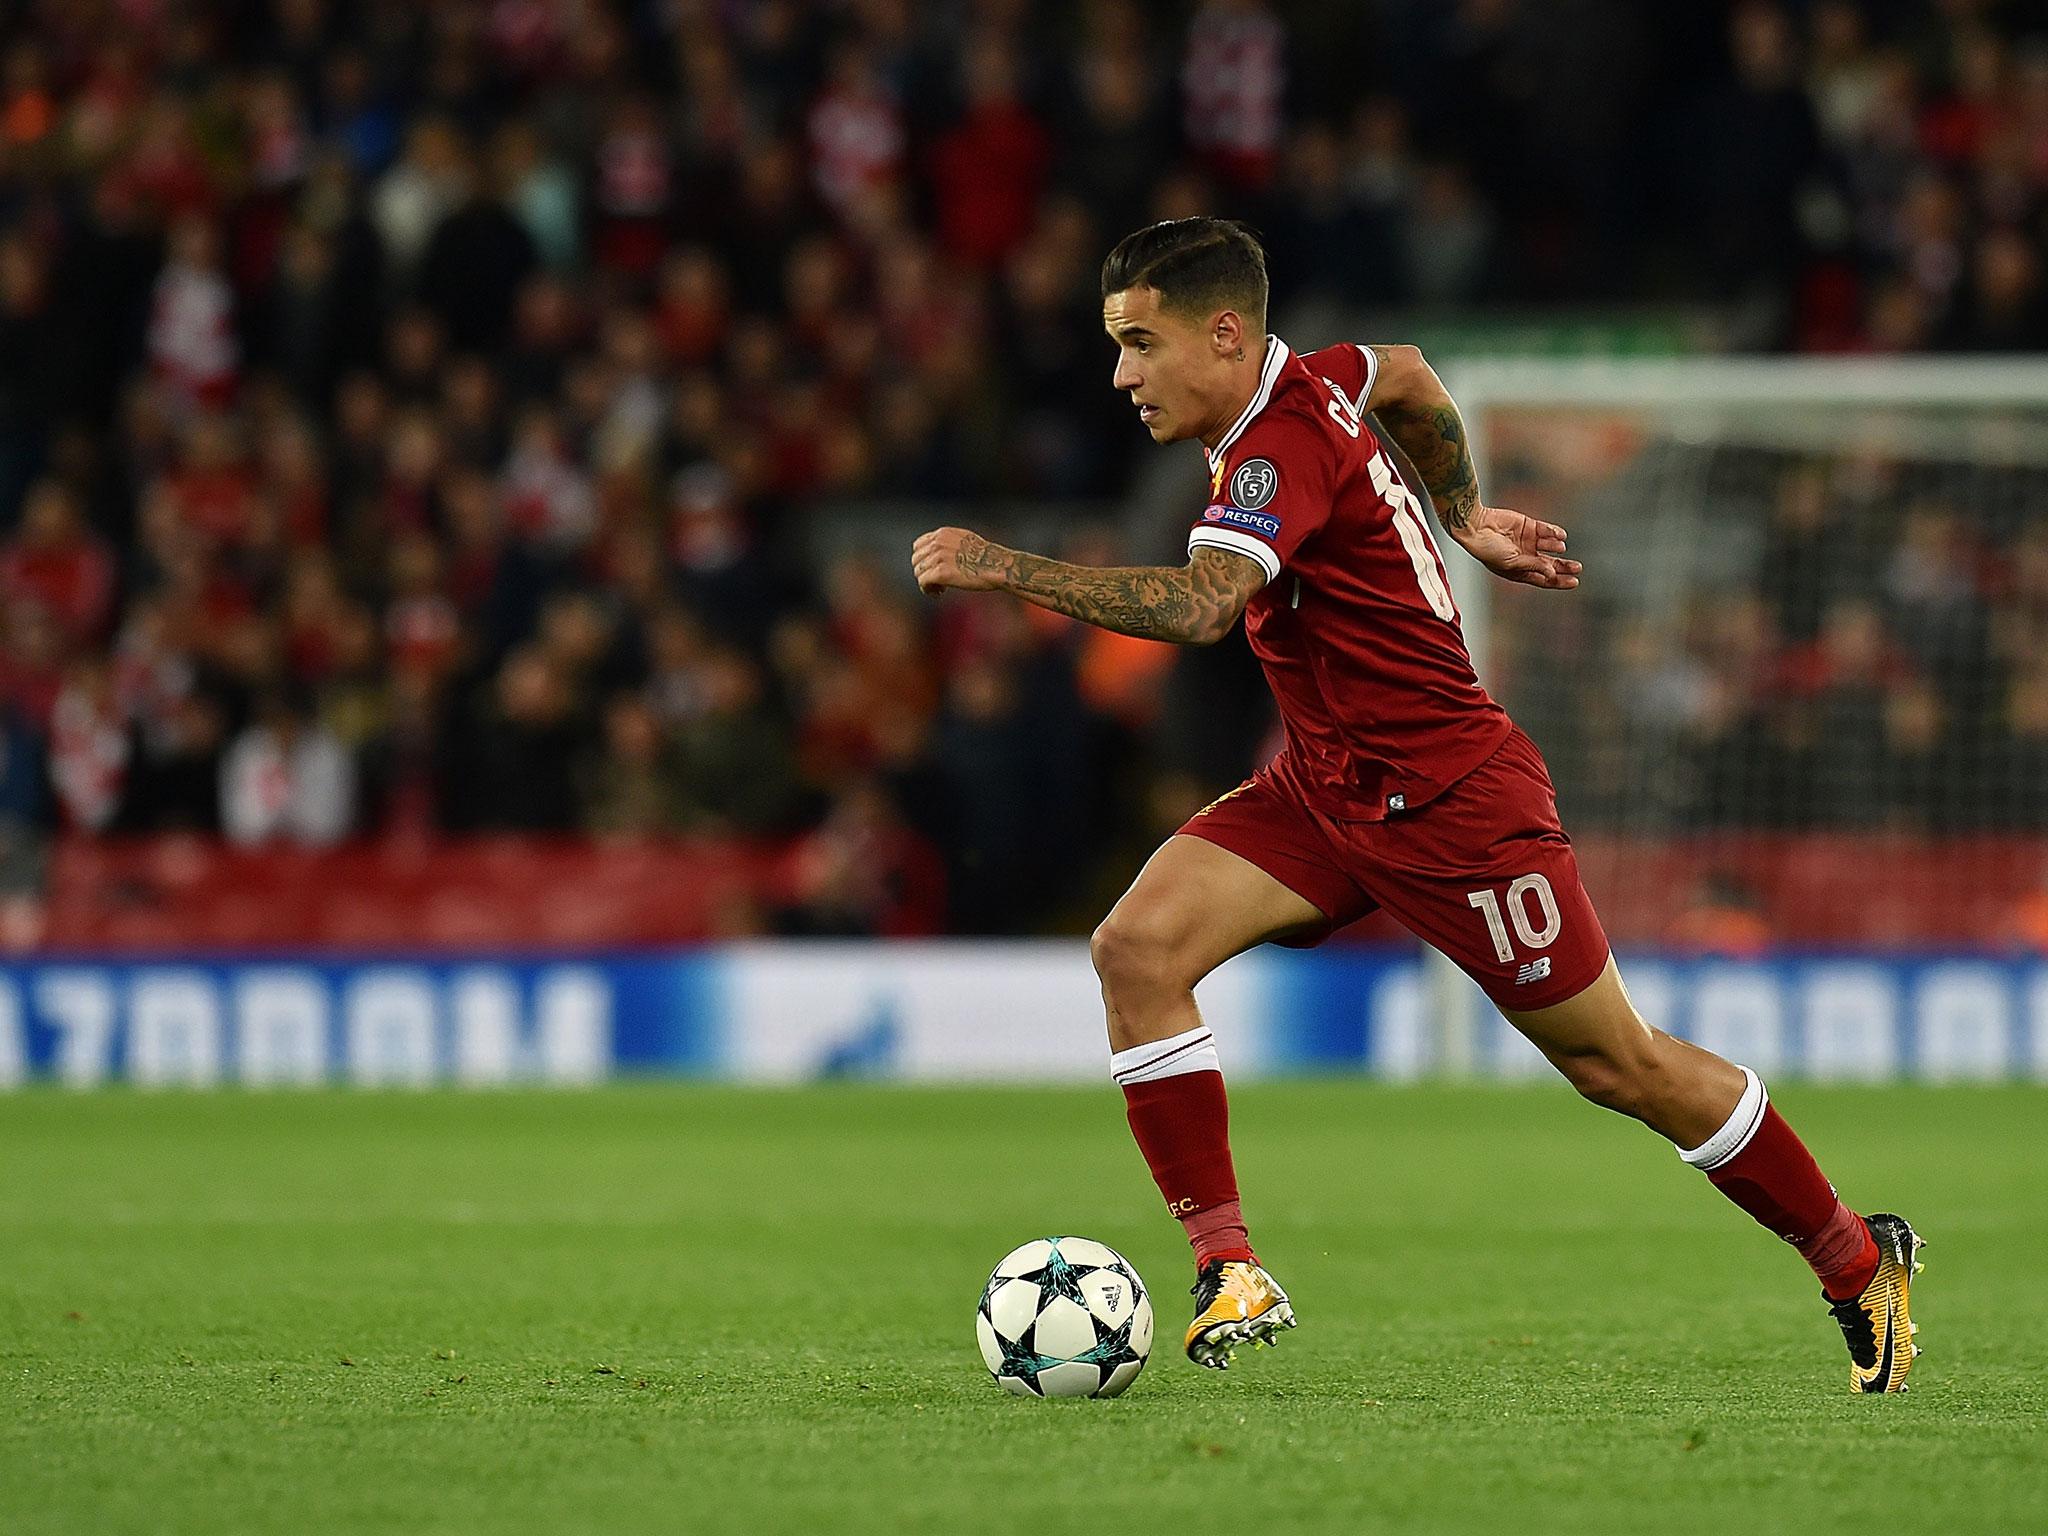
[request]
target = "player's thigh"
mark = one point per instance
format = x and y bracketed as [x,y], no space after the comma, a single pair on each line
[1193,906]
[1597,1021]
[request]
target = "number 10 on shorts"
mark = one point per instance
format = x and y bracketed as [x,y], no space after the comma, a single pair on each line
[1519,892]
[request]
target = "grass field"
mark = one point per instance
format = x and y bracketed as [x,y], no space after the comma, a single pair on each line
[660,1308]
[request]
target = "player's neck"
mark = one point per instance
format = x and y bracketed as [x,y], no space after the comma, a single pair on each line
[1243,390]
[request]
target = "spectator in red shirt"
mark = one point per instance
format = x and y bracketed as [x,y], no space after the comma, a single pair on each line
[633,190]
[54,560]
[313,604]
[989,170]
[212,488]
[694,308]
[296,484]
[32,663]
[164,169]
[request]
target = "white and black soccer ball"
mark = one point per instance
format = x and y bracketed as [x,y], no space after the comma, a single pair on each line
[1064,1317]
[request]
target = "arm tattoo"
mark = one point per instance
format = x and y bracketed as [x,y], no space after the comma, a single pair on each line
[1432,434]
[1193,604]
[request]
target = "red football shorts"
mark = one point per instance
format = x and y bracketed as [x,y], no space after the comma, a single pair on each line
[1483,872]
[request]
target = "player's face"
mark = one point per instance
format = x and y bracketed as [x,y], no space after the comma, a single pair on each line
[1176,370]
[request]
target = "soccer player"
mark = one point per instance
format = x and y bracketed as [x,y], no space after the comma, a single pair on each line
[1402,786]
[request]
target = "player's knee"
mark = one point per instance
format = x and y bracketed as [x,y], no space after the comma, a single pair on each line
[1133,951]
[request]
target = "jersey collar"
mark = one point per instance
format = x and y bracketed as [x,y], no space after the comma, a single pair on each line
[1277,355]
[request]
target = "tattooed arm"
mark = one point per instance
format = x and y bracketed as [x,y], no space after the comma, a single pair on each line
[1194,604]
[1417,412]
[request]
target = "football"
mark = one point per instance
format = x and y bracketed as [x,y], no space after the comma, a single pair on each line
[1064,1317]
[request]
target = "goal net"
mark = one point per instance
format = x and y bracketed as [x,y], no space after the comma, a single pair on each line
[1801,699]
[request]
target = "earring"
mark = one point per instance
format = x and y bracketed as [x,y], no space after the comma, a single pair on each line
[1240,354]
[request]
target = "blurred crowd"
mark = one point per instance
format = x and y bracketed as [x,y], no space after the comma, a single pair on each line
[407,412]
[1871,655]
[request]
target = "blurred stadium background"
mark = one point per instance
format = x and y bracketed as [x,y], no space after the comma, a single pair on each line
[457,464]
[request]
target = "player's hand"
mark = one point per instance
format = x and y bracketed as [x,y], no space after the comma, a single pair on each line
[956,557]
[1519,548]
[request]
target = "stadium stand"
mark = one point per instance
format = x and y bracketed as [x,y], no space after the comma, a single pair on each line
[410,417]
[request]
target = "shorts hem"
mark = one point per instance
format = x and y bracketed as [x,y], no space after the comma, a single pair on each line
[1506,995]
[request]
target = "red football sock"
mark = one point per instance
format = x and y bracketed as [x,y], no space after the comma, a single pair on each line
[1180,1115]
[1759,1162]
[1843,1254]
[1218,1233]
[1183,1127]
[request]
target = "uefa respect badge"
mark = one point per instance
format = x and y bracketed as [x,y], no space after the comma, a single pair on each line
[1238,517]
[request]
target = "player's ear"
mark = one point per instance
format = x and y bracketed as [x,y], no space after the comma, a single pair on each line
[1226,334]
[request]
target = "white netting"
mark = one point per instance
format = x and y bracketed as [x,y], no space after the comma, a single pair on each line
[1802,695]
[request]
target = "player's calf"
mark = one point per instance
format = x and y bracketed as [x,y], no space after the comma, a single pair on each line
[1722,1121]
[1605,1050]
[1756,1159]
[1632,1082]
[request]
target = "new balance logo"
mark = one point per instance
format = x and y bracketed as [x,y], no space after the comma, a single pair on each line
[1535,970]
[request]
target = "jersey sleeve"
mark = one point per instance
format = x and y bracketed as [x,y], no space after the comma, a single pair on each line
[1271,492]
[1351,367]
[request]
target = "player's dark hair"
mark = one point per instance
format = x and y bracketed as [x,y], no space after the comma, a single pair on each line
[1198,264]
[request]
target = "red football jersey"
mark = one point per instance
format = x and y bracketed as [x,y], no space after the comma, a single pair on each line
[1355,626]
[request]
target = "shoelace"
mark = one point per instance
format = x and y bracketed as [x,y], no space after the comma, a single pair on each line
[1207,1287]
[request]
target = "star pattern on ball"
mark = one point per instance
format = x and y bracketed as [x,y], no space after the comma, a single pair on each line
[1060,1278]
[1112,1345]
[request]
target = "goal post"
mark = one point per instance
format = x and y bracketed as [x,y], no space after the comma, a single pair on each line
[1802,695]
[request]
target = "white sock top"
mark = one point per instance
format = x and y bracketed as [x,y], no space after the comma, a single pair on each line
[1192,1050]
[1735,1133]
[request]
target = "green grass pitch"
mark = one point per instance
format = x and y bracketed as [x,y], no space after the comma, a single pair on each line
[694,1309]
